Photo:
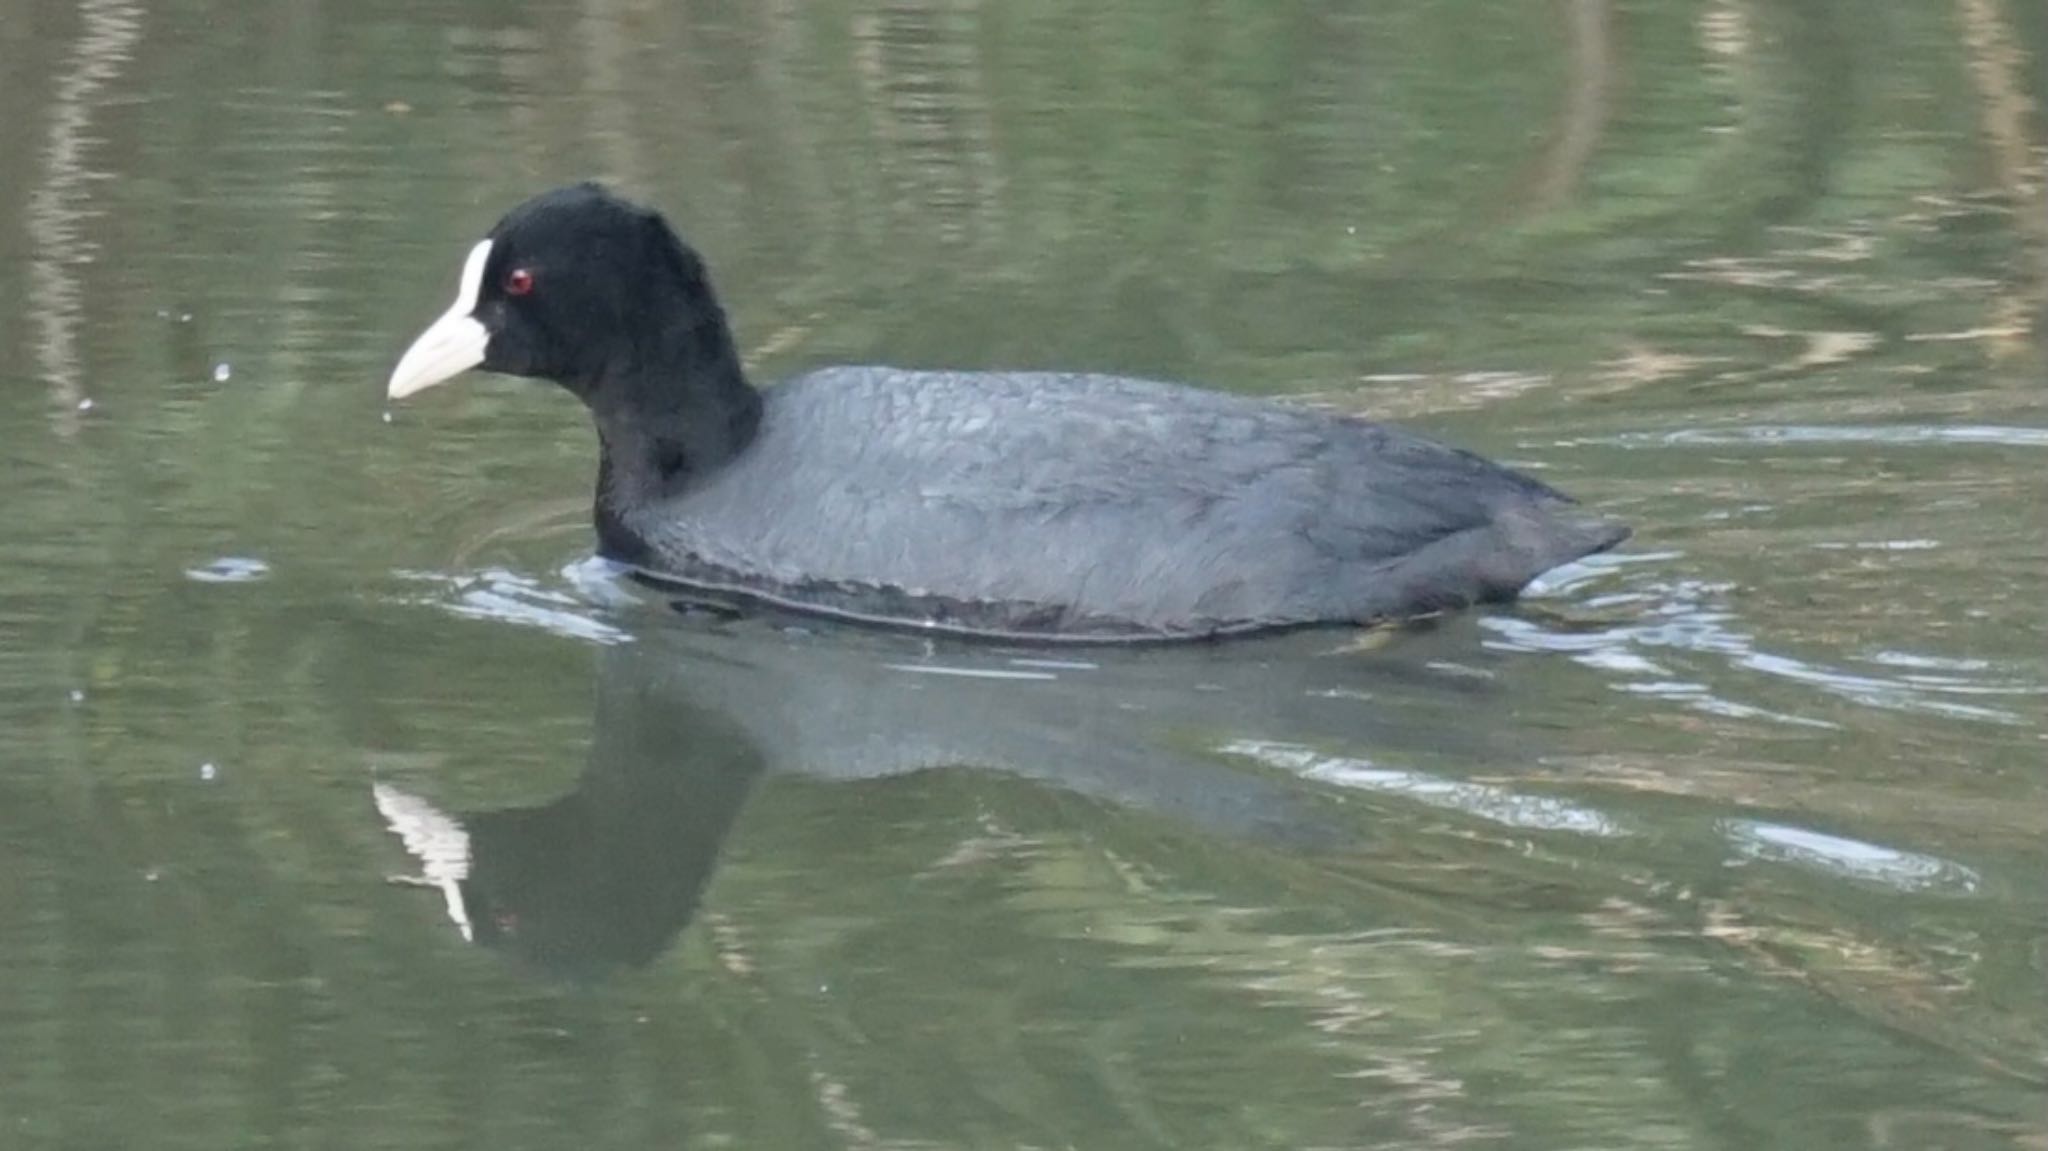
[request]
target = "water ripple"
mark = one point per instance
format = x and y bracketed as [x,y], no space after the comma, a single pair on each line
[1848,858]
[1748,840]
[1688,617]
[229,569]
[508,597]
[1485,801]
[1995,435]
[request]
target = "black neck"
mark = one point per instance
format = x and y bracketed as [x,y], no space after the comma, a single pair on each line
[675,412]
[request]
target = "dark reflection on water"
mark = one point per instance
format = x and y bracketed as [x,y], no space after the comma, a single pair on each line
[1734,838]
[604,877]
[688,717]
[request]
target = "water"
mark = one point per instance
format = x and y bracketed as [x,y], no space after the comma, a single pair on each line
[348,803]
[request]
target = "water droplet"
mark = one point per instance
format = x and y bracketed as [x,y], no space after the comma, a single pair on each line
[221,372]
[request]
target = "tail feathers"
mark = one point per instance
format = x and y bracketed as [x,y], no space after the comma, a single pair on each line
[1489,563]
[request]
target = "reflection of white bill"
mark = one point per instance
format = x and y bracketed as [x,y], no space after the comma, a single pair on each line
[434,838]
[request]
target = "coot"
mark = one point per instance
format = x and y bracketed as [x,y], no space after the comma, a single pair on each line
[1017,505]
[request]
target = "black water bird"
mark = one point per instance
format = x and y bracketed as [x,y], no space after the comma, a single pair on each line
[1022,505]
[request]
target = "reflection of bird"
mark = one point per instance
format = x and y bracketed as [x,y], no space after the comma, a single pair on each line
[604,877]
[1055,506]
[691,715]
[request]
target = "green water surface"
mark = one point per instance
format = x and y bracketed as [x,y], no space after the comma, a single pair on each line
[1736,838]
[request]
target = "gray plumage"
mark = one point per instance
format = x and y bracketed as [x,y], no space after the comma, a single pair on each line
[1090,506]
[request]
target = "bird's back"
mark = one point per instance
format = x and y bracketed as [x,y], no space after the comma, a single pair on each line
[1092,506]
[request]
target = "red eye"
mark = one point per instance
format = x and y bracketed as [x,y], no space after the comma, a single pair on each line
[518,282]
